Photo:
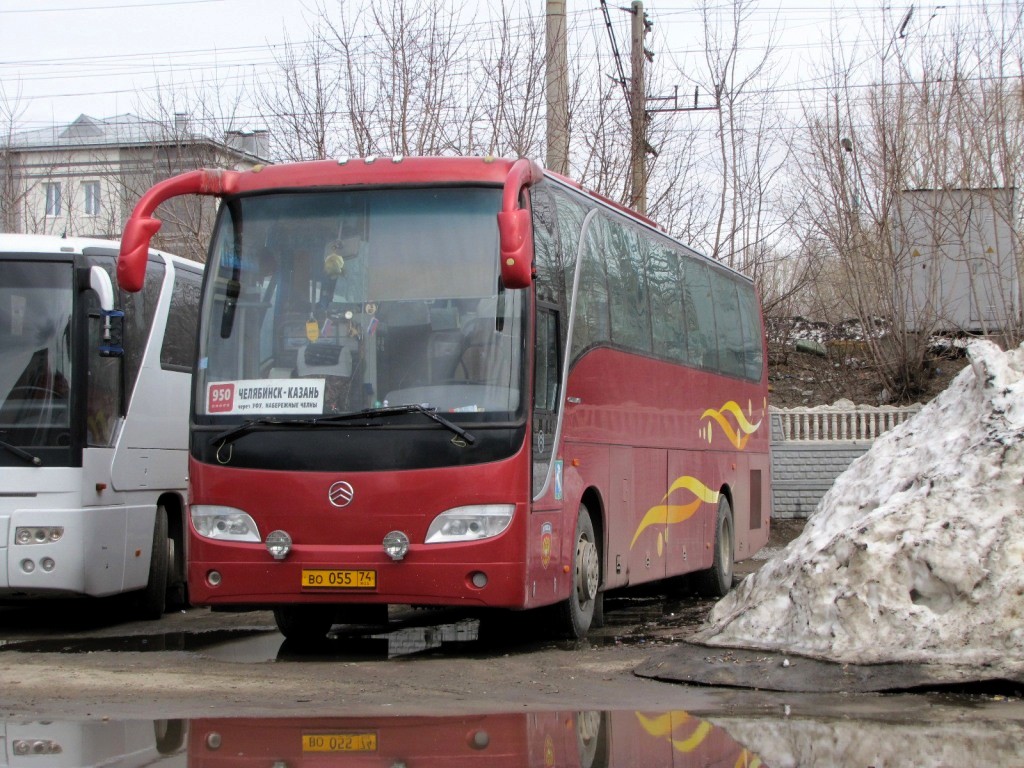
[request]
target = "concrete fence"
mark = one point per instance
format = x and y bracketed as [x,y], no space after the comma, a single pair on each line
[811,447]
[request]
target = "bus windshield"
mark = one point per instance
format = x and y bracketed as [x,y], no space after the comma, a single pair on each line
[333,302]
[35,346]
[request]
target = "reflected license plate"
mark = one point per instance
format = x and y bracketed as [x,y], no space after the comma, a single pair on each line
[339,742]
[323,578]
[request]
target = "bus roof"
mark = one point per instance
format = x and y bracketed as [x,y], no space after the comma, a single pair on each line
[50,244]
[372,171]
[14,243]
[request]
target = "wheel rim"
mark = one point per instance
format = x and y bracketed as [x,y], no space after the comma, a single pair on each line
[587,570]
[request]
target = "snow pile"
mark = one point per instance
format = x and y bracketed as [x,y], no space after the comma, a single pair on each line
[916,554]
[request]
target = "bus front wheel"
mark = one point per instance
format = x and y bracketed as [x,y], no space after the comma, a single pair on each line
[151,602]
[716,581]
[576,613]
[304,623]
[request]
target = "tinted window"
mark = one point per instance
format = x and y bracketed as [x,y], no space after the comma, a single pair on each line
[728,324]
[180,334]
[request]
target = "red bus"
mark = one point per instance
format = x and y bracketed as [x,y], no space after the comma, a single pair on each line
[459,381]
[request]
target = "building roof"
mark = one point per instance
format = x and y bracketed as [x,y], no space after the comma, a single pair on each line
[131,130]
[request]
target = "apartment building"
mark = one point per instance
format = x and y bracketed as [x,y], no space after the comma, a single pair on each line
[83,178]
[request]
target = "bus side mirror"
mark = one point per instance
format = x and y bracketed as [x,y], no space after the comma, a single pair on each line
[131,262]
[113,319]
[515,226]
[99,281]
[515,233]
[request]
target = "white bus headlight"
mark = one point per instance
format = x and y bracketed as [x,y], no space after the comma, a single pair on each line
[224,523]
[470,523]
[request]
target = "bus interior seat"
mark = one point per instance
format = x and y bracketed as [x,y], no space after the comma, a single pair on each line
[332,358]
[484,357]
[444,346]
[408,329]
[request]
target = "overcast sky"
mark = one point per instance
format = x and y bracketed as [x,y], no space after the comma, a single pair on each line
[62,58]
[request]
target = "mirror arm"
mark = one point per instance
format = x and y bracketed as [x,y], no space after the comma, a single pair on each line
[141,226]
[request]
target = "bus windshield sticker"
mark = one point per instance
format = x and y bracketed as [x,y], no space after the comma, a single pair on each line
[265,396]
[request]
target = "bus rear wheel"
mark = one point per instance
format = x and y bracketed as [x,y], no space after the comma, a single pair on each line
[576,613]
[304,623]
[716,581]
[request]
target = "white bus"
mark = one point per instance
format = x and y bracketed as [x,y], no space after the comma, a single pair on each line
[94,398]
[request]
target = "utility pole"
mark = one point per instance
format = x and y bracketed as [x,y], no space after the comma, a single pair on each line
[638,109]
[557,81]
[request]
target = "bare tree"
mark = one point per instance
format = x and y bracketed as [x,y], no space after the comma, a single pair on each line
[899,167]
[302,107]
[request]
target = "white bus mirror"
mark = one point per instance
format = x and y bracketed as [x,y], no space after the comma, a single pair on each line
[99,281]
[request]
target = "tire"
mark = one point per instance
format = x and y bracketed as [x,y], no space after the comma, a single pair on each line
[304,624]
[716,581]
[169,735]
[177,588]
[576,613]
[152,601]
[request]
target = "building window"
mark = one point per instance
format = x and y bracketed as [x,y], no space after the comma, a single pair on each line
[91,190]
[53,198]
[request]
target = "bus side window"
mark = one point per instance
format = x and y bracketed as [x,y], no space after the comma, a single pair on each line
[103,396]
[179,341]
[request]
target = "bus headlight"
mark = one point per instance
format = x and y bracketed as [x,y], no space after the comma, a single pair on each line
[470,523]
[223,523]
[38,534]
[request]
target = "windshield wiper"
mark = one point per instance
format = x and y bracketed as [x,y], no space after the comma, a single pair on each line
[241,429]
[369,413]
[35,461]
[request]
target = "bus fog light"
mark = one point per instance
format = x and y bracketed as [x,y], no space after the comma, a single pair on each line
[28,565]
[213,578]
[279,544]
[479,579]
[471,523]
[396,544]
[47,564]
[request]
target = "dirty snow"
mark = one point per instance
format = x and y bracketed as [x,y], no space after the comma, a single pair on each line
[916,554]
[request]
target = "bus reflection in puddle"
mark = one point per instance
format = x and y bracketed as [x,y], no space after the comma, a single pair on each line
[583,739]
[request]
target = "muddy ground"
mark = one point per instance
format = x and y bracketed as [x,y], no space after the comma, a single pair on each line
[78,661]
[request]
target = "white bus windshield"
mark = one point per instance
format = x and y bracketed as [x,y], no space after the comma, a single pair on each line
[35,346]
[334,302]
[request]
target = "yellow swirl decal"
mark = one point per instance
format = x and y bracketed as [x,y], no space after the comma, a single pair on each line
[671,514]
[737,429]
[667,725]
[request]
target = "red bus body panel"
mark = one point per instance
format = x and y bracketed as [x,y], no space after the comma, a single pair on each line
[328,537]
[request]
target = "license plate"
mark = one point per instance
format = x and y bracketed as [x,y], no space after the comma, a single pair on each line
[323,578]
[339,742]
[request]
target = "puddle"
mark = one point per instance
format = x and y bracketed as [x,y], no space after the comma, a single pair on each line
[587,739]
[583,739]
[634,620]
[167,641]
